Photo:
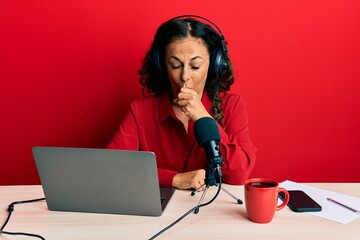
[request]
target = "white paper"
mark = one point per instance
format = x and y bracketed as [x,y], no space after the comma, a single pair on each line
[330,210]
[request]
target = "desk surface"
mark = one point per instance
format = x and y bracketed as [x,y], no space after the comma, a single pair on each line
[222,219]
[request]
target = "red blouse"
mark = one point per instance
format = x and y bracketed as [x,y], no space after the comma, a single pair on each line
[151,125]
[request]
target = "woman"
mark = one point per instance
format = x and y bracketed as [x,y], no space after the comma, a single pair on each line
[186,75]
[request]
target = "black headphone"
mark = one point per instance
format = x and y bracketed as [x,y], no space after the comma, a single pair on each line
[218,57]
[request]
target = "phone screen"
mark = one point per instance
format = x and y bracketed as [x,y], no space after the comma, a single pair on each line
[301,202]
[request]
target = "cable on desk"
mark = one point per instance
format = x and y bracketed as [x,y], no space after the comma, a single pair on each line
[11,208]
[188,212]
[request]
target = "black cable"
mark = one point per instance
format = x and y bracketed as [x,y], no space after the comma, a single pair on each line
[11,208]
[188,212]
[188,156]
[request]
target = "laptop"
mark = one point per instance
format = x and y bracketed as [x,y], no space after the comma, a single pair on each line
[101,181]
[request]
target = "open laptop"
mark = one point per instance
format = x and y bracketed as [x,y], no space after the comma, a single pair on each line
[101,181]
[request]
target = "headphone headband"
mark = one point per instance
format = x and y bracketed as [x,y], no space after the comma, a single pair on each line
[200,17]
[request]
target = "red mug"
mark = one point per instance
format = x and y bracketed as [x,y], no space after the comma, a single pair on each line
[261,198]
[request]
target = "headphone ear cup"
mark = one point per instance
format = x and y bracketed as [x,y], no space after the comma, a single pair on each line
[218,64]
[157,62]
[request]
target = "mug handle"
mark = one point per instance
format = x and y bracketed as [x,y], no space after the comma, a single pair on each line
[286,199]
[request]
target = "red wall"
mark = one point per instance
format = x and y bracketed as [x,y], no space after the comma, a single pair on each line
[68,71]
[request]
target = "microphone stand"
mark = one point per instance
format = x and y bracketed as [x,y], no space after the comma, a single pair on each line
[211,180]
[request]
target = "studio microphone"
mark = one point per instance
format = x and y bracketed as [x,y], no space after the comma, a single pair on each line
[208,136]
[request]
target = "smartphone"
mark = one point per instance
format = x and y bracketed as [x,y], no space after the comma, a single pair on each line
[301,202]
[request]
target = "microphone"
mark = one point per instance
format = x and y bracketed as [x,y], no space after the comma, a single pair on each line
[208,136]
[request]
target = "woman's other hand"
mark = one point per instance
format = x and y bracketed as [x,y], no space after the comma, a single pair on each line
[190,180]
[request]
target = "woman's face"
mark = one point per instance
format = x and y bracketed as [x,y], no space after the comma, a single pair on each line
[187,63]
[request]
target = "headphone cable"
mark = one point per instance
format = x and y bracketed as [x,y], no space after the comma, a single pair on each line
[188,156]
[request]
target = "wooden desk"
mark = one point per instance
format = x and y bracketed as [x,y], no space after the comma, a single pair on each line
[223,219]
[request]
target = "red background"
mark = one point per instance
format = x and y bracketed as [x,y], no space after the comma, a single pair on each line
[68,72]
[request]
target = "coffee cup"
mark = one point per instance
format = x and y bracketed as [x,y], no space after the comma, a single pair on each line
[261,199]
